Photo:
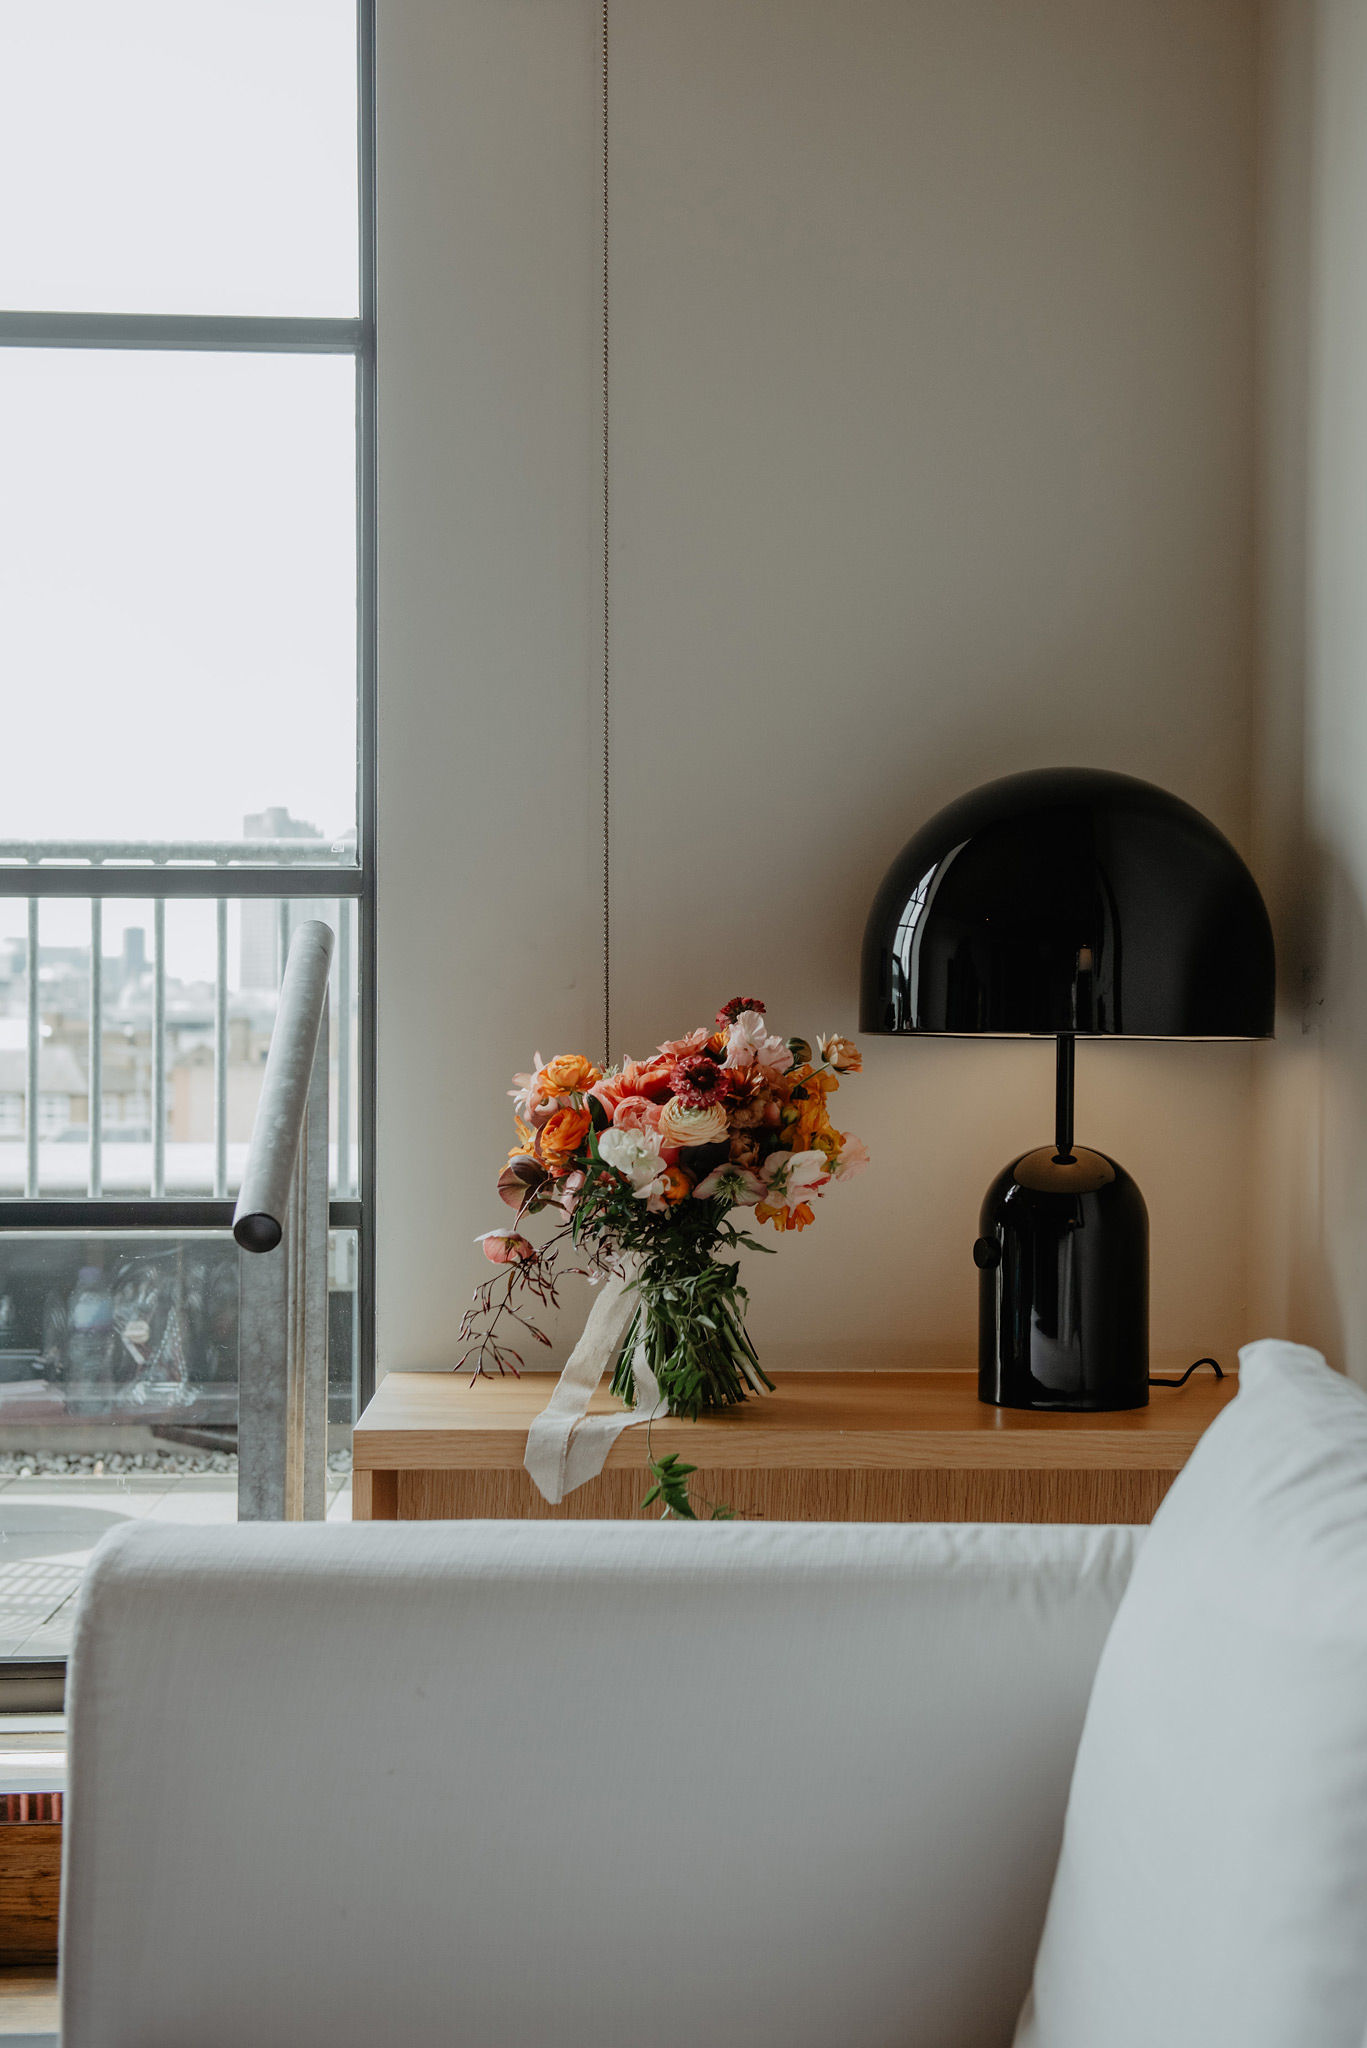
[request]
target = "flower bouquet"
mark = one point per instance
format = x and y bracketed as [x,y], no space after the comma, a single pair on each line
[646,1170]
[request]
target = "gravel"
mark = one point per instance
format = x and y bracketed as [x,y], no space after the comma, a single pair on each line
[105,1464]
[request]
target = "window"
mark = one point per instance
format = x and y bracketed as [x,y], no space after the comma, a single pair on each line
[186,575]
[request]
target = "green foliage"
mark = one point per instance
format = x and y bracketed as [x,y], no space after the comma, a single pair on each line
[671,1478]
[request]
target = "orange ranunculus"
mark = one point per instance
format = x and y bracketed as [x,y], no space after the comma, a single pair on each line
[786,1219]
[568,1074]
[675,1184]
[561,1137]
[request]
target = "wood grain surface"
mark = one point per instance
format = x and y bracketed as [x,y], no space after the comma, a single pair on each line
[803,1494]
[30,1888]
[823,1447]
[28,2000]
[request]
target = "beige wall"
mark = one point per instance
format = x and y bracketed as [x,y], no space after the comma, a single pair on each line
[1313,668]
[933,459]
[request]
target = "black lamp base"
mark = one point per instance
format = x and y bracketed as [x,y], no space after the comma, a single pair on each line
[1063,1293]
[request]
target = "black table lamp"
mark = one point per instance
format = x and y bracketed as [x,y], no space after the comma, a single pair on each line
[1071,903]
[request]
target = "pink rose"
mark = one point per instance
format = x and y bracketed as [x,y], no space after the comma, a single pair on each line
[634,1077]
[637,1113]
[679,1048]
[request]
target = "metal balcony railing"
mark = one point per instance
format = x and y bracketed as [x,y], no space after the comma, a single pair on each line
[160,853]
[157,871]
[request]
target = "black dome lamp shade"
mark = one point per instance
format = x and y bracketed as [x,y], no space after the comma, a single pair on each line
[1069,903]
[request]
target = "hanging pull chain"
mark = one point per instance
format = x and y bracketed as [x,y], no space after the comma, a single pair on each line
[607,599]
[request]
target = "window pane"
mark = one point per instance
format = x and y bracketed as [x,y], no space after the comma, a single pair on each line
[255,932]
[178,597]
[118,1401]
[178,156]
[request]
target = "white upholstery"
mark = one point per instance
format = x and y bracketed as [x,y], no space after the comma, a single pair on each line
[1213,1883]
[518,1785]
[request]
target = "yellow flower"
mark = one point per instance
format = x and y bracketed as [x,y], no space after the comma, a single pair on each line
[786,1219]
[806,1120]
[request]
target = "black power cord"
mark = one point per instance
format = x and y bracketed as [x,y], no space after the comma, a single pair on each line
[1195,1366]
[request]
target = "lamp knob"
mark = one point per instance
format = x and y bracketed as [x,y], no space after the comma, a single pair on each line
[986,1253]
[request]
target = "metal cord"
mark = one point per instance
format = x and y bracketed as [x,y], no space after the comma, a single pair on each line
[607,596]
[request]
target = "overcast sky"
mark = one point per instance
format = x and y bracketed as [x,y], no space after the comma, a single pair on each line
[177,543]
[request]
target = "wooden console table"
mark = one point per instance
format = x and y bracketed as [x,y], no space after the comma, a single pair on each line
[826,1447]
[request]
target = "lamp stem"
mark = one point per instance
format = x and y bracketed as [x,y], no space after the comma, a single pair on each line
[1063,1100]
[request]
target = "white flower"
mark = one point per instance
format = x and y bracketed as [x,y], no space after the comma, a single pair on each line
[854,1157]
[680,1126]
[733,1184]
[791,1176]
[526,1093]
[748,1045]
[637,1157]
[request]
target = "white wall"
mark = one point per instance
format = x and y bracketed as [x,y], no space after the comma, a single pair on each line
[1313,667]
[933,356]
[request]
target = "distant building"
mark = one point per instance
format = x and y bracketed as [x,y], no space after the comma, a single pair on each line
[259,962]
[61,1091]
[134,963]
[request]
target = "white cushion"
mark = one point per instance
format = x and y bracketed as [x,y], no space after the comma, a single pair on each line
[1212,1887]
[572,1785]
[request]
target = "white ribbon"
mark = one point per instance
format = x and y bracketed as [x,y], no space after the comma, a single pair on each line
[566,1445]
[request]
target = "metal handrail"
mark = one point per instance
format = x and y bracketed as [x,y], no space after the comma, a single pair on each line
[259,1218]
[281,1227]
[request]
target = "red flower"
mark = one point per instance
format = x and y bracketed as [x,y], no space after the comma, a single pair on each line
[698,1081]
[729,1012]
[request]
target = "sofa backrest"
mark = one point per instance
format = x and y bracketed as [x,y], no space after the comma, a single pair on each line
[517,1785]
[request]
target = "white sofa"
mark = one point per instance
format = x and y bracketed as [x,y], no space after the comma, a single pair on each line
[511,1785]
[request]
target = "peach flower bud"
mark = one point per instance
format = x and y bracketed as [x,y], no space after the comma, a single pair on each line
[506,1247]
[680,1126]
[842,1054]
[801,1051]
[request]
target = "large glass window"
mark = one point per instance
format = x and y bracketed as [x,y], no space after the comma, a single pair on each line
[179,156]
[178,596]
[186,567]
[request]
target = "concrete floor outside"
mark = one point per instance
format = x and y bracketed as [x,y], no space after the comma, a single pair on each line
[50,1525]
